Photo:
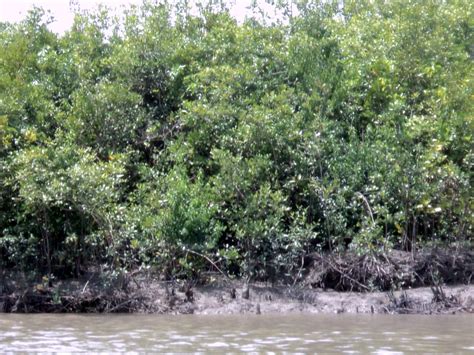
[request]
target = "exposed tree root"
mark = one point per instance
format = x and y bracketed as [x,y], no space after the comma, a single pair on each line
[351,272]
[440,304]
[145,293]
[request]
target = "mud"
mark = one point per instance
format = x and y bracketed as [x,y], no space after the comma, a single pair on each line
[163,298]
[392,270]
[432,283]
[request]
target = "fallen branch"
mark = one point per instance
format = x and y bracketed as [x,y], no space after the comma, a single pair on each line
[347,276]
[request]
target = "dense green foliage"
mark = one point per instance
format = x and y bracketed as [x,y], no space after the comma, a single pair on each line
[165,137]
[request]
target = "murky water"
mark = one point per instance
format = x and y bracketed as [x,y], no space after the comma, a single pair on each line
[265,333]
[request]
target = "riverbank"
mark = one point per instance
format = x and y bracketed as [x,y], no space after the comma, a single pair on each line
[434,282]
[230,299]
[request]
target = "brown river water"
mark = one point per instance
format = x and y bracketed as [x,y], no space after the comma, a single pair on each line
[300,333]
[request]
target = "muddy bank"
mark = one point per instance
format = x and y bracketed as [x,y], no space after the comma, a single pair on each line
[435,282]
[264,300]
[237,298]
[390,271]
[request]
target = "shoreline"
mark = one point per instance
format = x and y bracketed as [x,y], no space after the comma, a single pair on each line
[432,282]
[225,299]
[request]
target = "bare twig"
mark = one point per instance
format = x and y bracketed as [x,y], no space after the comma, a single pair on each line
[299,271]
[85,286]
[367,207]
[210,261]
[118,306]
[347,276]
